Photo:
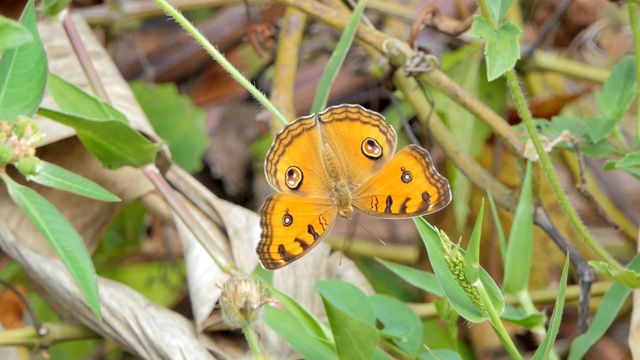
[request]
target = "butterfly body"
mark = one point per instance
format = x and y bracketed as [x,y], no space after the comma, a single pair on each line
[326,166]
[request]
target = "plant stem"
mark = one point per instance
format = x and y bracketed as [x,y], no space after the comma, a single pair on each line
[529,308]
[253,342]
[547,166]
[496,323]
[217,56]
[635,29]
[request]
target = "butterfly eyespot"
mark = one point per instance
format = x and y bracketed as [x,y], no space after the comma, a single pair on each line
[407,176]
[293,177]
[426,196]
[371,148]
[287,220]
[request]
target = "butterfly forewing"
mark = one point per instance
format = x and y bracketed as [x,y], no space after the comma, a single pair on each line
[408,186]
[360,138]
[294,164]
[292,226]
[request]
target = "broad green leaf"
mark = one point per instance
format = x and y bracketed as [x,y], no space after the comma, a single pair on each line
[398,322]
[498,9]
[577,128]
[598,127]
[23,72]
[113,142]
[176,120]
[12,34]
[546,346]
[440,354]
[62,236]
[59,178]
[457,296]
[520,246]
[354,337]
[73,100]
[472,257]
[312,325]
[292,331]
[599,150]
[502,47]
[518,317]
[349,298]
[629,163]
[53,7]
[619,90]
[337,58]
[421,279]
[626,277]
[607,312]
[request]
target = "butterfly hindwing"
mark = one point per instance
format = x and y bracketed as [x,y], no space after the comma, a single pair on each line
[408,186]
[292,226]
[360,138]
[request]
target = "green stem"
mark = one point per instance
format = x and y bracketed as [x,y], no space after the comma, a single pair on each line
[217,56]
[545,162]
[496,323]
[635,29]
[253,342]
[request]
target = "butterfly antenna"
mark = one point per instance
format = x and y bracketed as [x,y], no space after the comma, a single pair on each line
[367,230]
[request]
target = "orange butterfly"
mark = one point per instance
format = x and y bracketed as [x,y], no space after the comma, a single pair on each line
[325,166]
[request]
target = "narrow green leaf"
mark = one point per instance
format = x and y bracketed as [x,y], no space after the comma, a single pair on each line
[440,354]
[293,332]
[502,47]
[473,249]
[554,323]
[337,58]
[349,298]
[62,236]
[626,277]
[518,259]
[311,324]
[607,312]
[23,72]
[12,34]
[498,9]
[354,337]
[399,322]
[73,100]
[113,142]
[499,230]
[619,90]
[59,178]
[421,279]
[53,7]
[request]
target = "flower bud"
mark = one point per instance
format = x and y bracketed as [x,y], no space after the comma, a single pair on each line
[30,165]
[5,154]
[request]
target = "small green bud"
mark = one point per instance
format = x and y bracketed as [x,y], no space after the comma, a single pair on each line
[30,165]
[5,154]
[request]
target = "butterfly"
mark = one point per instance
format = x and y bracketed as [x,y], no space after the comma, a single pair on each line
[324,166]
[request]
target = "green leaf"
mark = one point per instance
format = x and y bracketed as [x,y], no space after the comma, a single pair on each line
[12,34]
[73,100]
[113,142]
[293,332]
[421,279]
[502,47]
[337,58]
[398,322]
[630,163]
[626,277]
[62,236]
[440,354]
[518,259]
[554,323]
[498,226]
[176,120]
[24,72]
[56,177]
[355,338]
[598,150]
[53,7]
[519,317]
[498,9]
[607,312]
[618,91]
[577,128]
[312,325]
[349,298]
[598,127]
[472,269]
